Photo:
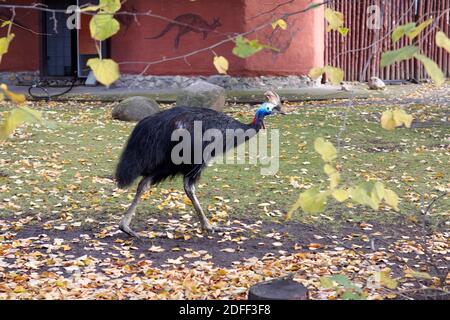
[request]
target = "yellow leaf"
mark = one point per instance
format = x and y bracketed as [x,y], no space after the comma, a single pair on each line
[340,195]
[402,118]
[14,97]
[363,194]
[103,26]
[325,149]
[106,71]
[343,31]
[311,201]
[221,64]
[334,176]
[90,8]
[19,289]
[387,120]
[4,44]
[442,41]
[16,117]
[315,73]
[187,201]
[279,23]
[386,280]
[391,199]
[6,23]
[329,170]
[336,75]
[335,19]
[334,180]
[433,70]
[111,6]
[415,32]
[378,192]
[417,274]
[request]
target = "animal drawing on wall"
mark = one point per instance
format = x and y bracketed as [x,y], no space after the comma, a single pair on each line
[281,39]
[126,20]
[187,23]
[6,15]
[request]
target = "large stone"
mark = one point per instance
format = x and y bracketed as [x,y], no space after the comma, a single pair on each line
[278,289]
[376,84]
[135,109]
[202,94]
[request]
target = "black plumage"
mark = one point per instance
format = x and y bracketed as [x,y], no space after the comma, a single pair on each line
[148,150]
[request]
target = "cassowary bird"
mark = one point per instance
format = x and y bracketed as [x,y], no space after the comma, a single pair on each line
[148,152]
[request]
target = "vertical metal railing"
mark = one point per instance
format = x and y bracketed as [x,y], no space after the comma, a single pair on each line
[360,52]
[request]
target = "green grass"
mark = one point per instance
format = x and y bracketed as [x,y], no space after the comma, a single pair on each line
[63,173]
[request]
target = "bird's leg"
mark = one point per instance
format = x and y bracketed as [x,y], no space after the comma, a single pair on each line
[189,187]
[126,220]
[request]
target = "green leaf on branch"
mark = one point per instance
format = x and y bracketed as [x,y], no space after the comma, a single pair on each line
[433,70]
[313,6]
[310,201]
[245,48]
[325,149]
[16,117]
[362,194]
[106,71]
[417,30]
[405,53]
[402,30]
[103,26]
[326,282]
[340,195]
[442,41]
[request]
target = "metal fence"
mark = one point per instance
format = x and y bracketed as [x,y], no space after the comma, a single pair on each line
[360,52]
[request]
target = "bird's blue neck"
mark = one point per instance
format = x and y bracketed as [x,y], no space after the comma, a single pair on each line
[258,122]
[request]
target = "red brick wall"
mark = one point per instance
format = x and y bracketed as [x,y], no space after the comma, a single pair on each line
[23,53]
[302,45]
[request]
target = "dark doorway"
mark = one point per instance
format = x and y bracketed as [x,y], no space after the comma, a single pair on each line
[65,51]
[59,47]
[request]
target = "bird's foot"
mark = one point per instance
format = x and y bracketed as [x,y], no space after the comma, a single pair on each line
[126,229]
[208,228]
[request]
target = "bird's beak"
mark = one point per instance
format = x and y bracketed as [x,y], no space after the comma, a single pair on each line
[278,110]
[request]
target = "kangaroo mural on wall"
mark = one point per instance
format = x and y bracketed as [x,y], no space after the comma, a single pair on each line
[186,23]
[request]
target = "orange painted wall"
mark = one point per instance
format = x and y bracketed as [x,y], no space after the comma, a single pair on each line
[301,45]
[131,45]
[23,52]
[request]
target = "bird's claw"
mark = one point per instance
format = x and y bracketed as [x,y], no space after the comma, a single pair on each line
[126,229]
[212,229]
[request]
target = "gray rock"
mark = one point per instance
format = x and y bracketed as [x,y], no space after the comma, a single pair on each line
[135,109]
[376,84]
[202,94]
